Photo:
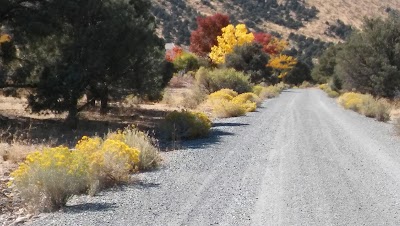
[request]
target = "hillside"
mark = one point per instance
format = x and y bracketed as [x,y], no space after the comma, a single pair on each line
[312,18]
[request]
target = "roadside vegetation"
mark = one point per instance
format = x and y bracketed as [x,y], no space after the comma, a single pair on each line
[365,69]
[50,176]
[226,72]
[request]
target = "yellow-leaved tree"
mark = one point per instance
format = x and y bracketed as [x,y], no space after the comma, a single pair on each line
[282,64]
[5,38]
[231,37]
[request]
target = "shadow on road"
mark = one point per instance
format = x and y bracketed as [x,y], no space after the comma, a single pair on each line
[144,185]
[290,91]
[217,132]
[90,207]
[220,124]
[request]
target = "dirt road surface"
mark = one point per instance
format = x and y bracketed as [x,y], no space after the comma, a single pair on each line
[300,160]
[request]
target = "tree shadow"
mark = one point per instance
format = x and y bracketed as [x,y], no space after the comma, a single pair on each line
[223,124]
[290,91]
[140,184]
[90,207]
[213,137]
[54,132]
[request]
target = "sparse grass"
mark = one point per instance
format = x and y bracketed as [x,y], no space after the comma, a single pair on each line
[367,105]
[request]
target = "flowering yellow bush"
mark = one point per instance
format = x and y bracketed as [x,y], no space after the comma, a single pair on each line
[110,161]
[324,86]
[89,145]
[48,178]
[224,109]
[331,93]
[248,101]
[231,37]
[222,105]
[113,162]
[366,104]
[186,125]
[351,101]
[226,94]
[257,89]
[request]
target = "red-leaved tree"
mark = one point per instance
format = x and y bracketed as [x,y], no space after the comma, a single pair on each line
[205,36]
[271,45]
[173,53]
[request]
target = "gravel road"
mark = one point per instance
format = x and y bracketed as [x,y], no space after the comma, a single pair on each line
[300,160]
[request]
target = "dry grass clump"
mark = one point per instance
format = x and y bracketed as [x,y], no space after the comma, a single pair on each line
[185,125]
[367,105]
[270,92]
[132,101]
[149,157]
[50,176]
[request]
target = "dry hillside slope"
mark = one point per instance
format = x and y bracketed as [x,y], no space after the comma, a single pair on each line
[351,12]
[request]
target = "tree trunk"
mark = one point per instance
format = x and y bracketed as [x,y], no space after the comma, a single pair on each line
[91,100]
[104,101]
[72,119]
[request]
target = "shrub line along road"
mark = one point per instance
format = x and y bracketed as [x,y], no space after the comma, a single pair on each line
[300,160]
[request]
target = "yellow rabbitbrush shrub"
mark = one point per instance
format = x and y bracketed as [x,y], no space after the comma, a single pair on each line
[249,101]
[366,104]
[48,178]
[123,152]
[224,108]
[352,101]
[226,94]
[113,163]
[257,89]
[222,105]
[185,125]
[331,93]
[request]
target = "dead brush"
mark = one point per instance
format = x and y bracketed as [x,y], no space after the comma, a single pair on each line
[149,157]
[16,144]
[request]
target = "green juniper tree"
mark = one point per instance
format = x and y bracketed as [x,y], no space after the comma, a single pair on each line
[74,47]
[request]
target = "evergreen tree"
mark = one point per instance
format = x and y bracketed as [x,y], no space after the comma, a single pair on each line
[82,46]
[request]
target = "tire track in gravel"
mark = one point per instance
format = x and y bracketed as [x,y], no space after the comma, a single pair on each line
[300,160]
